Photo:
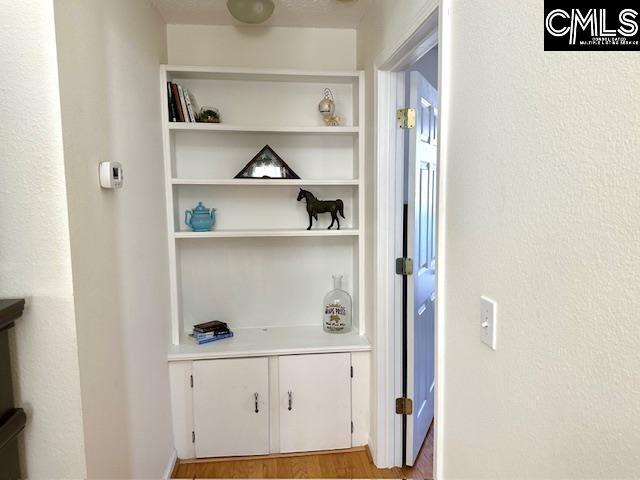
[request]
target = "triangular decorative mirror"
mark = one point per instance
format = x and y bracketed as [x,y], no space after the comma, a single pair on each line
[267,164]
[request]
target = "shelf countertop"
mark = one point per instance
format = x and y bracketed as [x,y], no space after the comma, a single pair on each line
[259,342]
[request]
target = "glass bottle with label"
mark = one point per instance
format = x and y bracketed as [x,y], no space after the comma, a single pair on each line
[337,309]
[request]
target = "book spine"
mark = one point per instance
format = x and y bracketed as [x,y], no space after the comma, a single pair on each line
[192,114]
[214,339]
[176,102]
[210,334]
[172,108]
[183,104]
[212,324]
[211,330]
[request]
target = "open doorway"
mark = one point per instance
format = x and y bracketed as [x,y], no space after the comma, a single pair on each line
[409,97]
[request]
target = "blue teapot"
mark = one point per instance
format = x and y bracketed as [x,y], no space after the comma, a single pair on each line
[200,219]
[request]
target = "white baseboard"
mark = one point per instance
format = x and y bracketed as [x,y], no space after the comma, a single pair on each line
[170,465]
[374,452]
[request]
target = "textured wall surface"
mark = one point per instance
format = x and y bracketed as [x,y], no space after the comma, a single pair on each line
[543,216]
[262,47]
[35,261]
[109,57]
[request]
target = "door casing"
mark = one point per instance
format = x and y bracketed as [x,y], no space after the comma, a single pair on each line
[432,29]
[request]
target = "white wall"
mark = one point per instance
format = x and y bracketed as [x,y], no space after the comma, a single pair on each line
[109,55]
[543,216]
[262,47]
[35,259]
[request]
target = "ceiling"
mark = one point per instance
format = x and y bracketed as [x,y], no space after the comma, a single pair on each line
[288,13]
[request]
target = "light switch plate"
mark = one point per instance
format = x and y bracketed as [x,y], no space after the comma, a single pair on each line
[488,321]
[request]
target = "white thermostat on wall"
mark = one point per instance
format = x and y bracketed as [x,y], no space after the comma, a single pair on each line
[110,175]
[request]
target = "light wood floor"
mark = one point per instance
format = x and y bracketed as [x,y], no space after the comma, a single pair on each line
[352,464]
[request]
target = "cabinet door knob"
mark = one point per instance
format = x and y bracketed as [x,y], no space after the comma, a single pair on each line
[255,397]
[290,394]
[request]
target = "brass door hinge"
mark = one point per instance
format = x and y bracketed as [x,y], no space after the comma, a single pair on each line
[404,266]
[407,118]
[404,406]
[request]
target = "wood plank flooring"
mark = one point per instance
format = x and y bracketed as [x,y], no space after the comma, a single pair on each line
[352,464]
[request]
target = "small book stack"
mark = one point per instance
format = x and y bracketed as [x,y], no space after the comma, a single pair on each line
[181,108]
[211,332]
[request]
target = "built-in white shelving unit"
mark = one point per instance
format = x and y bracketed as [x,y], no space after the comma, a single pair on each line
[259,269]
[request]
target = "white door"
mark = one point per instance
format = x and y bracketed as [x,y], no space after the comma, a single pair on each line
[315,402]
[231,407]
[421,235]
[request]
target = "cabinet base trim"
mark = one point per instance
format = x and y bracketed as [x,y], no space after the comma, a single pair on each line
[273,455]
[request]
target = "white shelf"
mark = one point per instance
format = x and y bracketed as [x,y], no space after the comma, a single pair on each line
[177,72]
[262,182]
[223,127]
[254,342]
[267,233]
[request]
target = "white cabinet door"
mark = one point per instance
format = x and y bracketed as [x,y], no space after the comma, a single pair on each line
[227,420]
[315,402]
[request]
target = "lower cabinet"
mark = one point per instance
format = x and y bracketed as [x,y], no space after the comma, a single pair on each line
[257,406]
[231,407]
[315,402]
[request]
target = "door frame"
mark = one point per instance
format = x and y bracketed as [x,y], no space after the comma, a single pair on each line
[430,29]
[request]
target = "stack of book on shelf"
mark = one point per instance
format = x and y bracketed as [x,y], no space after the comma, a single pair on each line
[211,332]
[181,107]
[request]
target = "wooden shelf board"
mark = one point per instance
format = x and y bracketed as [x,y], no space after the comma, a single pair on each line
[261,182]
[259,342]
[268,233]
[223,127]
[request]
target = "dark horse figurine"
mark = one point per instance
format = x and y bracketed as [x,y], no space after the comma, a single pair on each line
[315,206]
